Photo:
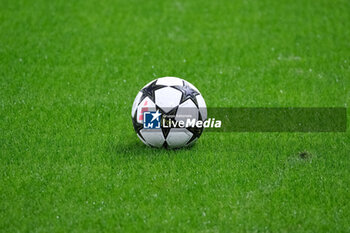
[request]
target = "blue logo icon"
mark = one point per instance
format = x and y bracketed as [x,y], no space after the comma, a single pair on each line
[151,120]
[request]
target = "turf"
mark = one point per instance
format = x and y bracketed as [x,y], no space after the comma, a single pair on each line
[71,162]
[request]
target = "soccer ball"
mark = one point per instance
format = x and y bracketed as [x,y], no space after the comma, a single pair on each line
[162,109]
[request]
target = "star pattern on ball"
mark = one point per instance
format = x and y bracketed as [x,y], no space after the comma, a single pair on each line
[149,91]
[137,126]
[167,117]
[196,131]
[159,95]
[187,93]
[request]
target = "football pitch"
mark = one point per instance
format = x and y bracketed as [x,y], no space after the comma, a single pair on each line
[70,159]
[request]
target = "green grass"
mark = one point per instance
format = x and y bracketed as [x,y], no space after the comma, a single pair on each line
[71,162]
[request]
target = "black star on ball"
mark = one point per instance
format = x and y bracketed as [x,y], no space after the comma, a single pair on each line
[187,93]
[168,118]
[196,131]
[149,91]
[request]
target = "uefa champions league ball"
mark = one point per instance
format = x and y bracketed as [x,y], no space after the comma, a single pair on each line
[165,112]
